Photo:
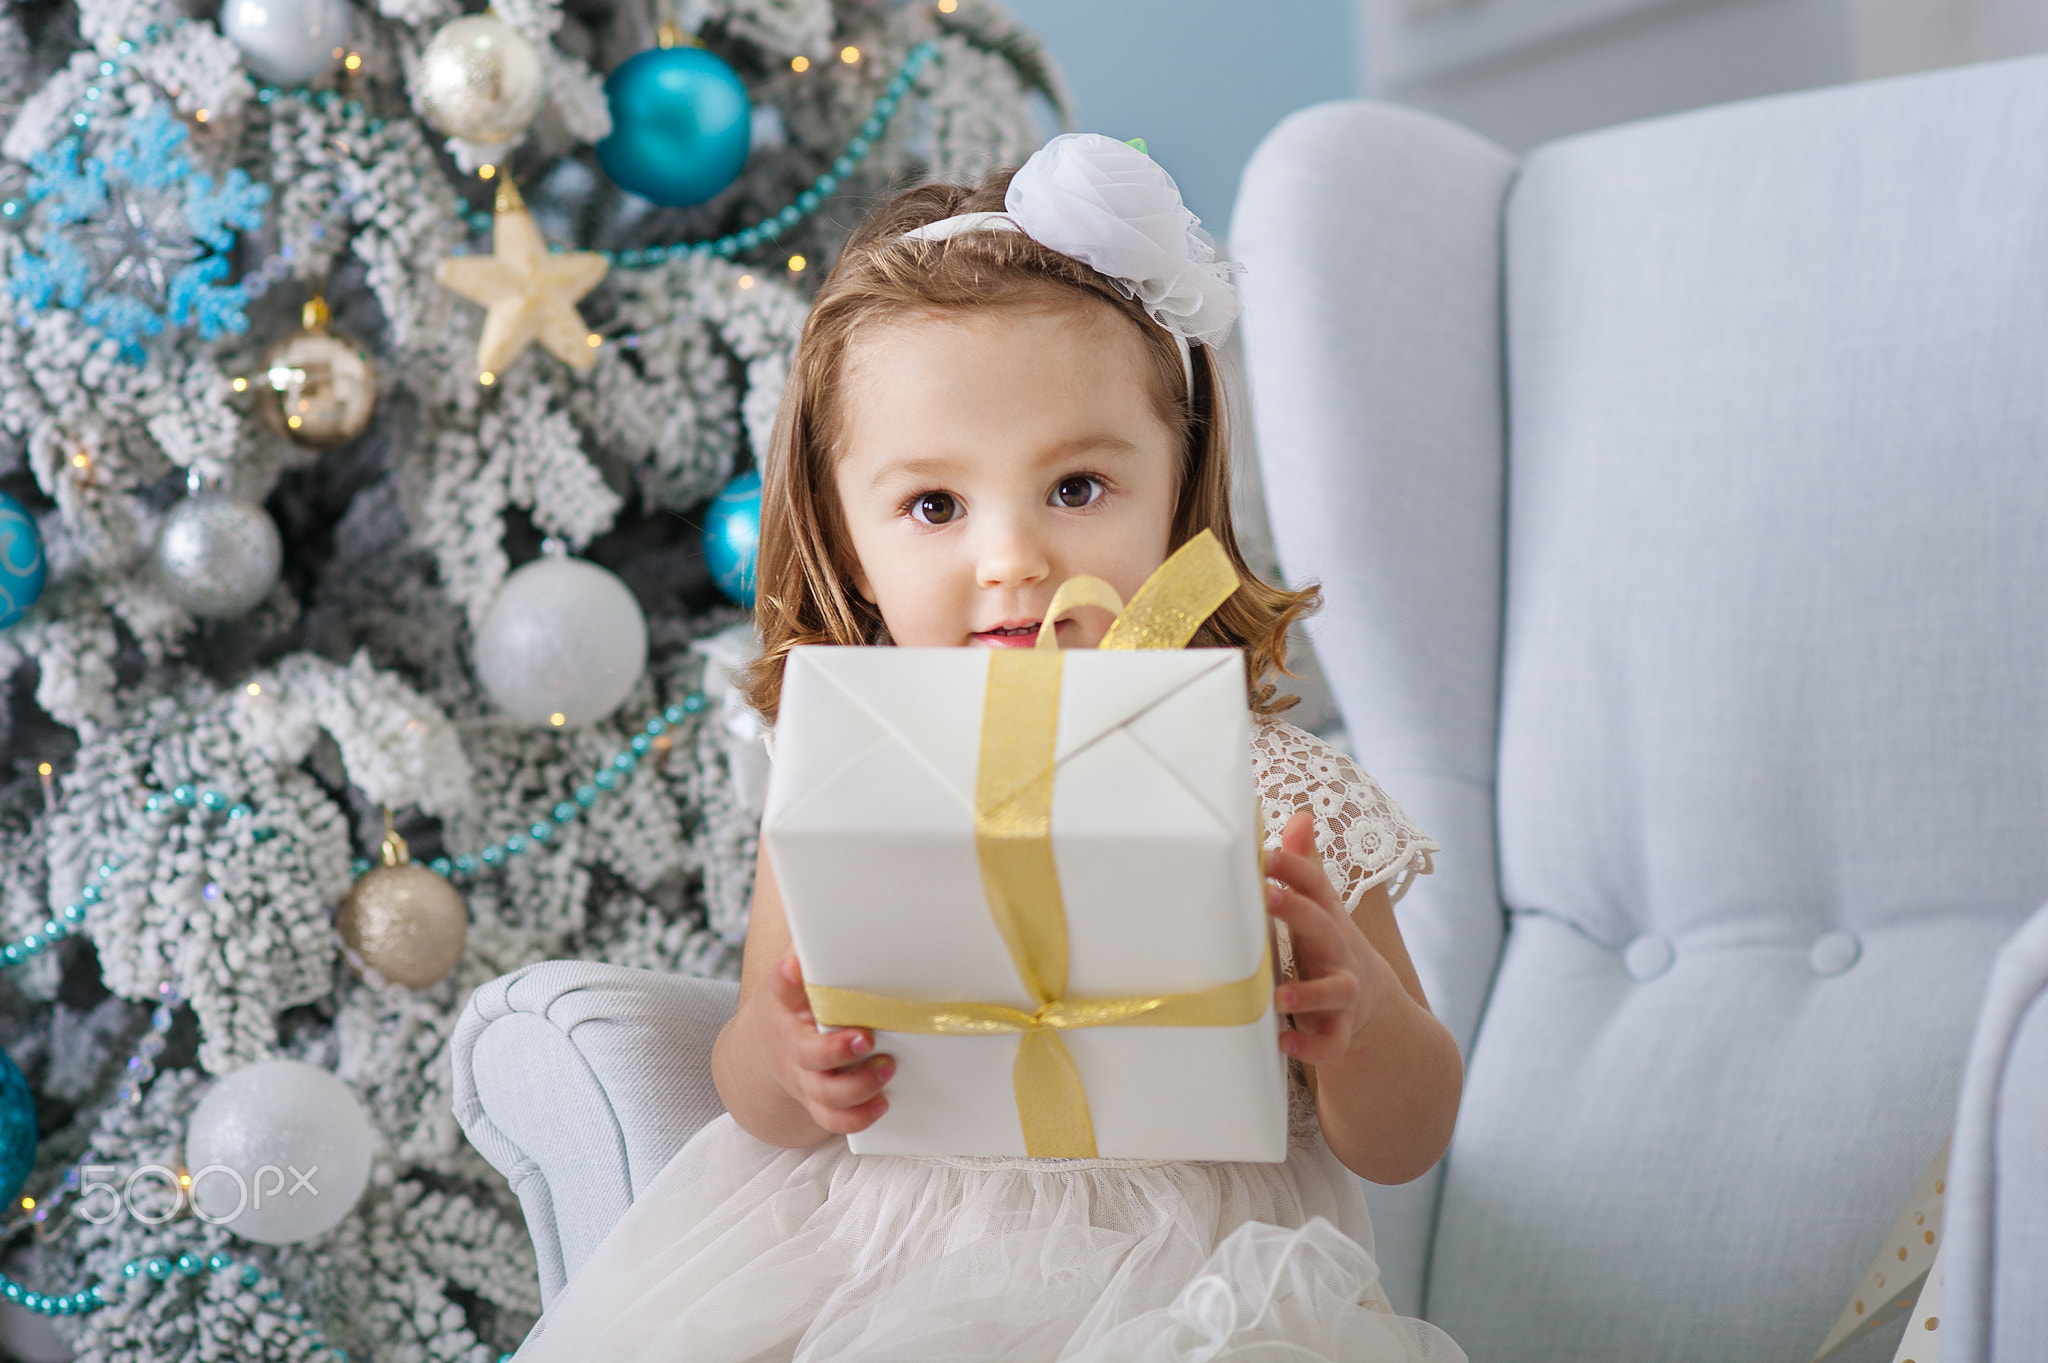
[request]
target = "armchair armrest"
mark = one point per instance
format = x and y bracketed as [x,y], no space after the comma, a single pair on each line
[578,1080]
[1995,1228]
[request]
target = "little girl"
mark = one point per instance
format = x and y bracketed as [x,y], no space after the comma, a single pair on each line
[1000,388]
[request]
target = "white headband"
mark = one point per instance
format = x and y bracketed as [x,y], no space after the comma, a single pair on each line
[1113,208]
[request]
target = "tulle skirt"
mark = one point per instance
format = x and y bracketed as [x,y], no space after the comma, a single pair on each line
[741,1251]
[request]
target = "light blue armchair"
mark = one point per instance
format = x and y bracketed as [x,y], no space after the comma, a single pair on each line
[1681,497]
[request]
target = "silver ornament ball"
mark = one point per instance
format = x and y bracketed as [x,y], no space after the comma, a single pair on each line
[278,1151]
[286,41]
[480,79]
[217,555]
[564,638]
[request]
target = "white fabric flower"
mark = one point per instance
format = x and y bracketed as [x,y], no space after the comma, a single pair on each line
[1112,207]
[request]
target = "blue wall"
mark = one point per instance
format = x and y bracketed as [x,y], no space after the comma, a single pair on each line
[1200,80]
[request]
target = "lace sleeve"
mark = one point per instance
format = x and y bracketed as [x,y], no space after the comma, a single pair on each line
[1365,838]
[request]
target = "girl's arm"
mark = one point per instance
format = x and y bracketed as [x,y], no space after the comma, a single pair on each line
[1386,1074]
[781,1078]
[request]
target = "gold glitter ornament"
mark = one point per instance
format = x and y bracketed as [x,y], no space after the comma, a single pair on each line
[480,79]
[317,389]
[403,921]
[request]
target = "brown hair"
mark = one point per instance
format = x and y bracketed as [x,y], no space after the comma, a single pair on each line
[803,584]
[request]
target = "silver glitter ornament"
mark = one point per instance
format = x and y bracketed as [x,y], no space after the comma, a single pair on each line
[564,643]
[318,389]
[480,79]
[217,555]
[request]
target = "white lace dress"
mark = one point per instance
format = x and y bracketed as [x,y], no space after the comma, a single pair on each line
[741,1250]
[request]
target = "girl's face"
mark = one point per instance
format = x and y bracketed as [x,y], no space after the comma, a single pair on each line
[988,457]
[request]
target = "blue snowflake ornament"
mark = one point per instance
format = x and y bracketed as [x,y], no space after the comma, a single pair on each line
[213,215]
[59,276]
[137,241]
[150,160]
[196,300]
[76,191]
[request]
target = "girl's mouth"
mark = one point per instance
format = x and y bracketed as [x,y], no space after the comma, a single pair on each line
[1009,636]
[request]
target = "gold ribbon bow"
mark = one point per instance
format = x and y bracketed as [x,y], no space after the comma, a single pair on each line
[1013,839]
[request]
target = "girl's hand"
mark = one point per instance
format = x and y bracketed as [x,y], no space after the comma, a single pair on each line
[1342,979]
[831,1074]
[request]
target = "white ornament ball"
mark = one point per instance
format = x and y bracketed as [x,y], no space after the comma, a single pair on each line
[286,41]
[279,1151]
[564,638]
[218,556]
[480,79]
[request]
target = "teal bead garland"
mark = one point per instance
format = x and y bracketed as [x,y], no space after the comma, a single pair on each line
[159,1269]
[541,832]
[57,928]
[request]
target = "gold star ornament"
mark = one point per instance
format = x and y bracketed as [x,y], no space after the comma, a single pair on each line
[530,294]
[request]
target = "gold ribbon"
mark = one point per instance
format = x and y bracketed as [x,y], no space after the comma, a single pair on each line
[1013,840]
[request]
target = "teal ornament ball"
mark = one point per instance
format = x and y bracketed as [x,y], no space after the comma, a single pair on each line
[18,1133]
[681,126]
[22,565]
[732,536]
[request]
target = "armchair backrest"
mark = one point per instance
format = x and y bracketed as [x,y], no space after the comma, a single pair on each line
[1680,497]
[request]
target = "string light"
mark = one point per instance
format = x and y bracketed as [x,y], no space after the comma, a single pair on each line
[486,172]
[201,116]
[948,6]
[746,281]
[796,264]
[354,60]
[241,385]
[558,719]
[849,54]
[487,378]
[799,64]
[593,340]
[255,688]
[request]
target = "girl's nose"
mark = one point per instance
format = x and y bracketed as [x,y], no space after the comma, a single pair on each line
[1009,555]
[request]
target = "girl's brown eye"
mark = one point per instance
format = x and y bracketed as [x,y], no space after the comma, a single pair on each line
[935,508]
[1077,491]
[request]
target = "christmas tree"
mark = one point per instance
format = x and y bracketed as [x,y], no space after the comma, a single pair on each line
[367,374]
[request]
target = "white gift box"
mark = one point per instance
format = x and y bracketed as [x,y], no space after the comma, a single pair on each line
[1155,833]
